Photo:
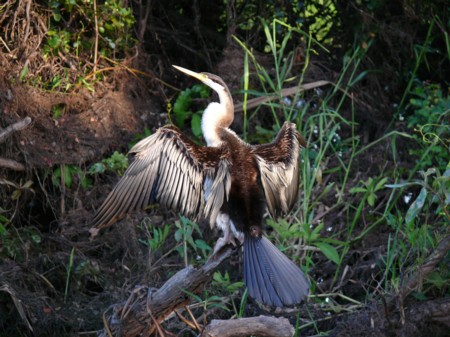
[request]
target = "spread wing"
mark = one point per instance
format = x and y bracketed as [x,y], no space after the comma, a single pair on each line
[278,165]
[173,171]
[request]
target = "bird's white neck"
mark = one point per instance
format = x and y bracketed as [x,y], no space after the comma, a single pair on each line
[210,123]
[217,116]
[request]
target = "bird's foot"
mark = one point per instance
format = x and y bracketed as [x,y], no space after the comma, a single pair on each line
[228,238]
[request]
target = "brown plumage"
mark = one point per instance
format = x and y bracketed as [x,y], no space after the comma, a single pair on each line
[228,182]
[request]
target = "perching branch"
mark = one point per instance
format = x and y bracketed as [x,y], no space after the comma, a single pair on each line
[145,308]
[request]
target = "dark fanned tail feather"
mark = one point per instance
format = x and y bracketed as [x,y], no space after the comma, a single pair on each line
[270,276]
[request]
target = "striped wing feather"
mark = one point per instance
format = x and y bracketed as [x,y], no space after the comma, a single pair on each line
[171,170]
[278,165]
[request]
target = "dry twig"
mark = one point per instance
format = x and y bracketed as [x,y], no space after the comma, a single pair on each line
[4,133]
[262,326]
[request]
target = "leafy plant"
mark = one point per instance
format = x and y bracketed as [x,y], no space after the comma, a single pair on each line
[418,231]
[65,174]
[209,301]
[185,235]
[156,236]
[370,187]
[13,239]
[183,104]
[225,283]
[430,119]
[117,163]
[113,21]
[58,111]
[311,235]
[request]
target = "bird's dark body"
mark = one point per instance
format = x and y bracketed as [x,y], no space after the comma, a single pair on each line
[229,182]
[246,203]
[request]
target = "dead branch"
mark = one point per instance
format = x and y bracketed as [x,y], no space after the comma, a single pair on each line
[145,308]
[262,326]
[18,304]
[254,102]
[4,133]
[437,310]
[11,164]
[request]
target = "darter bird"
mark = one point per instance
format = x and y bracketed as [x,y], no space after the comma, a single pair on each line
[228,182]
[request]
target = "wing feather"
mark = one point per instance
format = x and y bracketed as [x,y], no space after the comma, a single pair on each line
[172,170]
[278,164]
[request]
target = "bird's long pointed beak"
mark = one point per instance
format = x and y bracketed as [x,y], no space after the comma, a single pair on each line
[199,76]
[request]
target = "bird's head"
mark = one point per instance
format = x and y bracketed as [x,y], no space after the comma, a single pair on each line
[216,114]
[211,80]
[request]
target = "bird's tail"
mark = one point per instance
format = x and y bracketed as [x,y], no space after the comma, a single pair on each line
[270,277]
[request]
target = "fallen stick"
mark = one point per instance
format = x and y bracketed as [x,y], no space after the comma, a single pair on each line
[262,326]
[4,133]
[11,164]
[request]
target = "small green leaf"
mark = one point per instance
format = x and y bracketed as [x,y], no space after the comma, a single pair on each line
[68,176]
[381,183]
[23,73]
[329,251]
[416,206]
[178,235]
[357,190]
[97,168]
[196,125]
[371,199]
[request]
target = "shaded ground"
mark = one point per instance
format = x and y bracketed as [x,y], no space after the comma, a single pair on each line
[57,281]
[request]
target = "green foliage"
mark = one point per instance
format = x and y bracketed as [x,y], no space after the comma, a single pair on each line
[321,127]
[117,163]
[224,282]
[183,104]
[430,117]
[57,41]
[434,195]
[369,188]
[419,230]
[315,16]
[17,243]
[311,235]
[66,173]
[114,22]
[207,302]
[283,60]
[156,236]
[58,111]
[185,235]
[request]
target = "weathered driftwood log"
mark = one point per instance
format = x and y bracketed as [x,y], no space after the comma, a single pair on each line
[262,326]
[140,314]
[4,133]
